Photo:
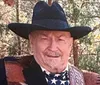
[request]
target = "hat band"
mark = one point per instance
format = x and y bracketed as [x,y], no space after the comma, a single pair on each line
[51,24]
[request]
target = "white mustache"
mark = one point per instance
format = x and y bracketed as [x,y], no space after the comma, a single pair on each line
[53,54]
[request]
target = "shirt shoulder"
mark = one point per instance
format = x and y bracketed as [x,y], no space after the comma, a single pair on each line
[76,76]
[86,77]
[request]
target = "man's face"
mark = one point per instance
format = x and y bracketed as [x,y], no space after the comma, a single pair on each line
[51,49]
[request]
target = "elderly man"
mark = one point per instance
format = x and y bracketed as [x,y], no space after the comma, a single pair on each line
[51,39]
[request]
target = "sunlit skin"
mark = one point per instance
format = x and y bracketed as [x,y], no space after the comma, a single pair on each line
[51,49]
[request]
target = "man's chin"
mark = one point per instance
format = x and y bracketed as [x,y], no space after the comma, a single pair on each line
[56,68]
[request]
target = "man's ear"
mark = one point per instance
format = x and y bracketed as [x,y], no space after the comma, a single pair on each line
[71,42]
[30,39]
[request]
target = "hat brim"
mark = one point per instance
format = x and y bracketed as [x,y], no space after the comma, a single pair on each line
[24,30]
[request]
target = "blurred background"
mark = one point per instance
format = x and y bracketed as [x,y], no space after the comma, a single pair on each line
[86,51]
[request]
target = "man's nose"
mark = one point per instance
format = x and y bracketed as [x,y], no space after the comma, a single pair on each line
[53,45]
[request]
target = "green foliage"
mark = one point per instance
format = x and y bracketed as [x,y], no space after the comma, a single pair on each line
[89,58]
[12,50]
[90,62]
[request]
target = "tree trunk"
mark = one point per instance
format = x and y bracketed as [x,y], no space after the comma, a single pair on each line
[17,19]
[75,53]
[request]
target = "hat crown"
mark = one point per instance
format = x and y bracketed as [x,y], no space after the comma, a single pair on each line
[43,11]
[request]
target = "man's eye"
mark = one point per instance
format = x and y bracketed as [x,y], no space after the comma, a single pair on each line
[61,39]
[44,38]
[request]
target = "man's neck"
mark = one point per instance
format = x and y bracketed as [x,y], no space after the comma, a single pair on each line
[48,72]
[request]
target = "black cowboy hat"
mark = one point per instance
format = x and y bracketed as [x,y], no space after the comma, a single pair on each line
[47,17]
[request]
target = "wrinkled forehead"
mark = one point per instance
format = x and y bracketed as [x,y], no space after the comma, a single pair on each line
[48,33]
